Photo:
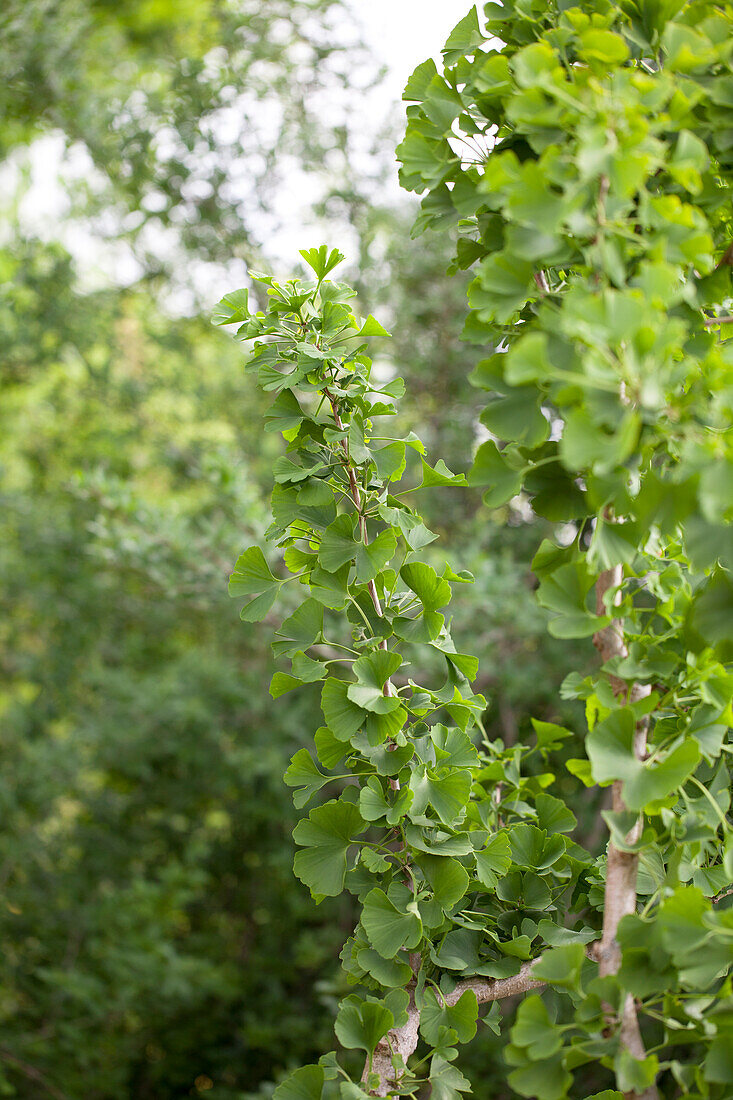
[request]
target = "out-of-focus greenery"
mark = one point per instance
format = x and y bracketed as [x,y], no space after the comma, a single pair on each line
[191,111]
[143,955]
[141,760]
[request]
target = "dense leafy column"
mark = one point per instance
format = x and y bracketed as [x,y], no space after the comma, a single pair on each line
[584,154]
[458,862]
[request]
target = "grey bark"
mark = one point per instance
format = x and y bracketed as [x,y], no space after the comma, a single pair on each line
[621,867]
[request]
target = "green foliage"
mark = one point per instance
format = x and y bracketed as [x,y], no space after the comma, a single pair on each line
[140,752]
[447,870]
[580,152]
[153,931]
[152,928]
[196,87]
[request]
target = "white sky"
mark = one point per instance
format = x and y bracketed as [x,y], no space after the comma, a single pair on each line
[401,34]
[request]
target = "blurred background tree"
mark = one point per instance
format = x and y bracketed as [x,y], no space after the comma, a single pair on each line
[190,112]
[144,955]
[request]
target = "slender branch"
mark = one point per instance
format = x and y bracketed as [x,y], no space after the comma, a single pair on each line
[621,867]
[541,280]
[726,258]
[33,1074]
[496,989]
[711,321]
[388,688]
[403,1040]
[356,497]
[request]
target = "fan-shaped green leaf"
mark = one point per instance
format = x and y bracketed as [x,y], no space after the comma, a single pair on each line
[360,1024]
[326,835]
[305,1083]
[388,927]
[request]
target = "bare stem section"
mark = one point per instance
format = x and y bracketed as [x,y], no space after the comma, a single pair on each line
[622,867]
[403,1040]
[400,1041]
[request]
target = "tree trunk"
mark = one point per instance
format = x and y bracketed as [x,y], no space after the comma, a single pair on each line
[621,867]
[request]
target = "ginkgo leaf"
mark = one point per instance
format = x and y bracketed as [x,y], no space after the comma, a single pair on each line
[252,577]
[447,877]
[432,591]
[305,1083]
[300,630]
[321,260]
[338,544]
[372,557]
[326,835]
[372,327]
[306,776]
[388,972]
[360,1024]
[461,1017]
[493,860]
[387,927]
[251,574]
[439,475]
[374,804]
[232,309]
[343,716]
[372,672]
[445,790]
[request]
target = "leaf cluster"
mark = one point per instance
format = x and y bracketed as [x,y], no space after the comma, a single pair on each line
[459,862]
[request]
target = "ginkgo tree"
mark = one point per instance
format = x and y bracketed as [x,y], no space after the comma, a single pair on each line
[584,155]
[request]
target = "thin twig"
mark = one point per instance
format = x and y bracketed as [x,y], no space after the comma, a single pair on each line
[388,688]
[33,1074]
[356,497]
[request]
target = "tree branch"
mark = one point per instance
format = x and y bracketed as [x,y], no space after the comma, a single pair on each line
[495,989]
[388,688]
[356,497]
[621,867]
[403,1040]
[620,900]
